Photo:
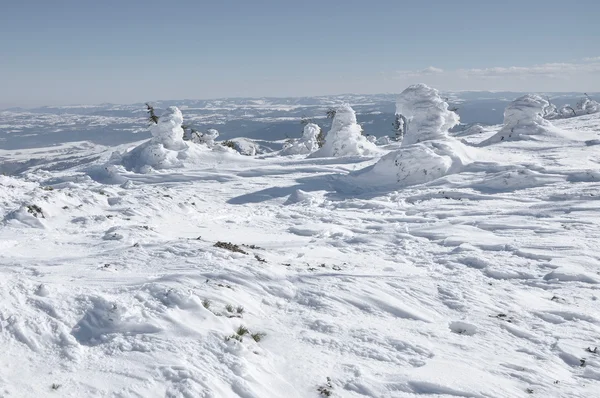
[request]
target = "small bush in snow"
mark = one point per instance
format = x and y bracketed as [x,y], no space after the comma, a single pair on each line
[206,303]
[229,308]
[229,144]
[230,246]
[36,211]
[326,390]
[258,336]
[152,118]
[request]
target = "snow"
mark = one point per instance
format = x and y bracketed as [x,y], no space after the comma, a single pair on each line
[427,114]
[207,138]
[524,120]
[479,281]
[345,137]
[307,144]
[427,151]
[165,150]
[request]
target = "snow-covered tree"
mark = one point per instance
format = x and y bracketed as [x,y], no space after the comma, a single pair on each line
[205,138]
[427,115]
[165,150]
[427,151]
[345,137]
[308,143]
[399,126]
[523,119]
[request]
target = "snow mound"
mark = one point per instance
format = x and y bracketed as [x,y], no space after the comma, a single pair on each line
[307,144]
[427,151]
[300,196]
[207,138]
[247,147]
[345,137]
[524,120]
[427,114]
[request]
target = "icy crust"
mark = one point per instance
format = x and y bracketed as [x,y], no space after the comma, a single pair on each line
[427,151]
[345,137]
[427,114]
[524,120]
[307,144]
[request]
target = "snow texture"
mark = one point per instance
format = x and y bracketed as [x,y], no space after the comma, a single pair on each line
[481,283]
[345,137]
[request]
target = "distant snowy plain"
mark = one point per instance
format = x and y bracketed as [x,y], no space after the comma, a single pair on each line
[484,282]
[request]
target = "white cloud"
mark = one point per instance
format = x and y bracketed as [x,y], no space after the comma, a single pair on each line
[543,70]
[431,70]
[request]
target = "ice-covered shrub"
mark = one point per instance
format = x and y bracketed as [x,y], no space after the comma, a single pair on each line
[586,106]
[427,151]
[524,120]
[207,138]
[345,137]
[308,143]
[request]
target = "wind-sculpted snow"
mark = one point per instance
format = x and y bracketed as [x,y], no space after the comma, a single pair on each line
[306,144]
[524,120]
[345,137]
[427,114]
[427,151]
[255,276]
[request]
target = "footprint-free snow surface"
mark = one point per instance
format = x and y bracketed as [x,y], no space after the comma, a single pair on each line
[254,277]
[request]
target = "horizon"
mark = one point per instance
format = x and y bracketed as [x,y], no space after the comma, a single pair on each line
[590,93]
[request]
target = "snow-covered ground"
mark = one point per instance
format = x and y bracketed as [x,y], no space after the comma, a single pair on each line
[481,283]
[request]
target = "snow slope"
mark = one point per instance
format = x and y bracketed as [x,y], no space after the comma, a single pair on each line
[483,283]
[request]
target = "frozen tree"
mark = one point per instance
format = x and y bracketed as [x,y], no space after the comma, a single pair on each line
[523,119]
[427,151]
[165,150]
[426,114]
[399,126]
[308,143]
[345,137]
[152,118]
[205,138]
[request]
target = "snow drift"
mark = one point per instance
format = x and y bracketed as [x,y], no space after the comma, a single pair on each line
[345,137]
[305,145]
[427,151]
[524,120]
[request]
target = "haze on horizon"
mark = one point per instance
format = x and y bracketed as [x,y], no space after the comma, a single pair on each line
[69,52]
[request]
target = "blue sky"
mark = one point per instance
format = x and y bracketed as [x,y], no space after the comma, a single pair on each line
[65,52]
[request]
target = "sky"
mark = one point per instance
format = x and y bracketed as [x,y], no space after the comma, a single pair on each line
[88,52]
